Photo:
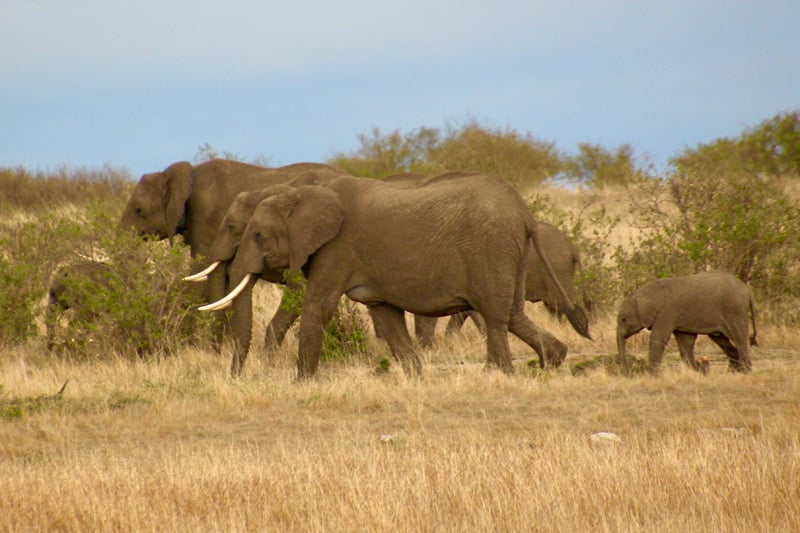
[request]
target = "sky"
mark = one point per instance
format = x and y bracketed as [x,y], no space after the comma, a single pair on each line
[142,84]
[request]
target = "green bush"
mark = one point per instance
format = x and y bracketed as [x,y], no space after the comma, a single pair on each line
[588,229]
[519,158]
[735,222]
[142,308]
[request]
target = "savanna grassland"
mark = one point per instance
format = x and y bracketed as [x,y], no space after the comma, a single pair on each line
[164,439]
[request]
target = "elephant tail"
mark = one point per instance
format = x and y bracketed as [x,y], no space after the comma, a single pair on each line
[575,315]
[753,341]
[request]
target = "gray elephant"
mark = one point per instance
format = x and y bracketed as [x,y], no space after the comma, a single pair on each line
[67,288]
[565,261]
[560,251]
[432,251]
[227,241]
[713,303]
[192,200]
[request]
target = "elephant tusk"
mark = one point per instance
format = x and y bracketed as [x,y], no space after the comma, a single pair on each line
[225,302]
[203,274]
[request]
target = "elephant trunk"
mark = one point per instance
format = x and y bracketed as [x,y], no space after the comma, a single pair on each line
[623,361]
[241,329]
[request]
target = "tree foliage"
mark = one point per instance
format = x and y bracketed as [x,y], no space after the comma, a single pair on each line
[520,158]
[598,167]
[771,149]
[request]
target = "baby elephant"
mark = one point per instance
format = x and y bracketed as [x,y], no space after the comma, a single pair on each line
[711,303]
[69,286]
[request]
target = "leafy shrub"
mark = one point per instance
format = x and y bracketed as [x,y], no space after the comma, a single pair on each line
[143,308]
[735,222]
[519,158]
[588,229]
[770,149]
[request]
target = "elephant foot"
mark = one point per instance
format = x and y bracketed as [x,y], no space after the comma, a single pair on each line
[555,354]
[492,366]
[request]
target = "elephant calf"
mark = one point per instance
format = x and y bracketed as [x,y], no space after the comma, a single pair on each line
[713,303]
[68,287]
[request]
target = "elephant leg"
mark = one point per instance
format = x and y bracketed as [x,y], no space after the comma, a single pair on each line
[551,351]
[391,321]
[732,352]
[279,326]
[455,322]
[50,319]
[478,320]
[425,329]
[738,336]
[242,328]
[686,343]
[316,314]
[659,337]
[497,348]
[216,289]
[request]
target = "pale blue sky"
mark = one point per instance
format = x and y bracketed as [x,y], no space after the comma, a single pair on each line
[141,84]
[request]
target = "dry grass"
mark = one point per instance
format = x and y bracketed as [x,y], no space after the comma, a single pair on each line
[177,445]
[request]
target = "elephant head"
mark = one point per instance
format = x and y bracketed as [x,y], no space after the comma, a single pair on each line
[637,312]
[231,229]
[158,203]
[286,228]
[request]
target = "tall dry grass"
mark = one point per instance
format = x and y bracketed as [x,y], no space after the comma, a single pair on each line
[176,444]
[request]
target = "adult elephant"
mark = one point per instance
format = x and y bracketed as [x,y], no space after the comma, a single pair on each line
[561,253]
[713,303]
[565,261]
[191,200]
[226,243]
[432,251]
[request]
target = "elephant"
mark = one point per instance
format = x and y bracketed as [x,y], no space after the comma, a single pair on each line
[565,261]
[560,251]
[191,200]
[713,303]
[432,251]
[67,288]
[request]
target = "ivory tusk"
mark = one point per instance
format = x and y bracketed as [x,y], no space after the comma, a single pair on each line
[225,302]
[203,274]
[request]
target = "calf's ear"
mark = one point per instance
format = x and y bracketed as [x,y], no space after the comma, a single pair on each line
[649,303]
[315,219]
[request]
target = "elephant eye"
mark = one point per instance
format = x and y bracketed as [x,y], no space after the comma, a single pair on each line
[257,236]
[138,211]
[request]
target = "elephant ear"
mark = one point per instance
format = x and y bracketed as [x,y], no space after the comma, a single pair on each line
[178,177]
[314,220]
[649,303]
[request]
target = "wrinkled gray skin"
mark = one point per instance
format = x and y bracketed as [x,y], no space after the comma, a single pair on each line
[713,303]
[565,261]
[229,236]
[191,201]
[64,292]
[560,251]
[433,251]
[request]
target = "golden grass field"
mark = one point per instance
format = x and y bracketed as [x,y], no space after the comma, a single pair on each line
[177,445]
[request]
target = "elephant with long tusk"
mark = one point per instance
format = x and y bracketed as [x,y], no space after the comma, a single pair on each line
[191,200]
[455,245]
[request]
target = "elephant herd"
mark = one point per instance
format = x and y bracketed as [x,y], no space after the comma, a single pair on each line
[460,244]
